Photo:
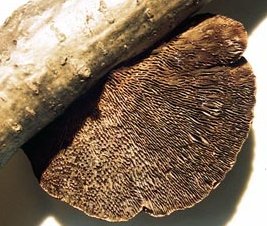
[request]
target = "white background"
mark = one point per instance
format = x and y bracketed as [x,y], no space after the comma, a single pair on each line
[239,201]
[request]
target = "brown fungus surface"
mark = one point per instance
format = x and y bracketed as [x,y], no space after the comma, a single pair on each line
[158,135]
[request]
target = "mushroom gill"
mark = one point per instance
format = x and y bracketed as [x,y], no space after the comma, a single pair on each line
[159,134]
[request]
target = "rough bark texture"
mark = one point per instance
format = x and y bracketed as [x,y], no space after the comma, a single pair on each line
[160,135]
[52,51]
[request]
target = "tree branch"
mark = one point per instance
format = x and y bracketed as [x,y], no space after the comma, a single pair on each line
[53,51]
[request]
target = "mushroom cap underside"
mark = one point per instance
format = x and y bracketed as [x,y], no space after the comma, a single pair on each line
[158,135]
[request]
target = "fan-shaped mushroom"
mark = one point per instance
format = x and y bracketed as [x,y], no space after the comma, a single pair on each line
[160,136]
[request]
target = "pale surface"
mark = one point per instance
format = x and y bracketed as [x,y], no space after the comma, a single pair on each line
[239,201]
[53,51]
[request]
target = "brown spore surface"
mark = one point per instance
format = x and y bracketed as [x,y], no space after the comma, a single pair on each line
[157,135]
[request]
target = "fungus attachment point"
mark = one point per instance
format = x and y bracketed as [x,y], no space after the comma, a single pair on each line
[158,135]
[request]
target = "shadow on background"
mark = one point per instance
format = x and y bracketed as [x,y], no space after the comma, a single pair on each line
[250,12]
[22,200]
[24,203]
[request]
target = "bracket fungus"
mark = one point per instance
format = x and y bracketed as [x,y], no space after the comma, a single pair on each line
[158,135]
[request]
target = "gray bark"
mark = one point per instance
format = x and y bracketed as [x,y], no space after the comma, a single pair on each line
[53,51]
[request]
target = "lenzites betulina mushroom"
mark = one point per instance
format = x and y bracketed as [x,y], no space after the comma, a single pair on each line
[158,135]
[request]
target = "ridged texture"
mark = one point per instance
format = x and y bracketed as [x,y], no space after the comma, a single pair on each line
[162,134]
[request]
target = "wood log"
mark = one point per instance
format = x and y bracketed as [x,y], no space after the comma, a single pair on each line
[52,51]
